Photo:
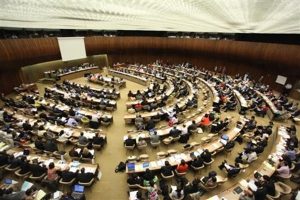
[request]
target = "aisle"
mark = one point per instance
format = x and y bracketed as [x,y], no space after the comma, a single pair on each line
[112,185]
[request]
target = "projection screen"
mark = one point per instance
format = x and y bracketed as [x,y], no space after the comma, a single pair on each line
[71,48]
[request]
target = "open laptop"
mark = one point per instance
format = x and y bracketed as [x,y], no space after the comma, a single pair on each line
[78,192]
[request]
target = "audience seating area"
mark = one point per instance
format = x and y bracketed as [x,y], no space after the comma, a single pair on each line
[189,133]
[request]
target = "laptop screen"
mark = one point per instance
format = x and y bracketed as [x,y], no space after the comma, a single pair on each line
[78,188]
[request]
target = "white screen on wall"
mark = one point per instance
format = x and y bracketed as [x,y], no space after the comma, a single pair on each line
[281,79]
[71,48]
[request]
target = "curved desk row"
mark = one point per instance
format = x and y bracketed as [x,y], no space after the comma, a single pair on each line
[169,91]
[72,166]
[73,74]
[181,103]
[175,159]
[273,112]
[104,79]
[69,132]
[130,77]
[86,97]
[268,168]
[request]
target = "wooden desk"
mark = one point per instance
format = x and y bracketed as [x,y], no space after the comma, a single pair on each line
[181,103]
[58,163]
[130,77]
[174,160]
[242,101]
[273,112]
[88,98]
[104,79]
[150,100]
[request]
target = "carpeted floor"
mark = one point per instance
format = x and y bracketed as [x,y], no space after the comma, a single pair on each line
[113,186]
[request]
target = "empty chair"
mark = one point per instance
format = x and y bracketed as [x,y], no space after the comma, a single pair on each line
[131,158]
[161,155]
[144,157]
[283,188]
[142,146]
[172,151]
[276,196]
[131,111]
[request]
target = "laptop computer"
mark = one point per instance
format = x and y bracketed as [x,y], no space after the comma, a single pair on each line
[78,192]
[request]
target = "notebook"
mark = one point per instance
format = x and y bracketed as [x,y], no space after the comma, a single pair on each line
[26,185]
[40,195]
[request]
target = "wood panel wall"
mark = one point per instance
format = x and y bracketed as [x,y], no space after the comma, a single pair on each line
[15,53]
[257,59]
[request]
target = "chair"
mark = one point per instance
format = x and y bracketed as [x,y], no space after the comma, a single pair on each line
[87,160]
[131,111]
[209,163]
[110,108]
[37,178]
[283,188]
[208,188]
[81,145]
[196,169]
[161,155]
[131,158]
[180,173]
[276,196]
[3,166]
[167,177]
[97,146]
[87,184]
[105,123]
[25,175]
[134,186]
[167,140]
[176,139]
[66,184]
[194,131]
[172,151]
[144,157]
[7,168]
[129,147]
[85,121]
[155,144]
[141,147]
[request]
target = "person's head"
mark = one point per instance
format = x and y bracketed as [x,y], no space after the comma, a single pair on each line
[266,178]
[182,162]
[82,170]
[167,163]
[51,165]
[85,150]
[193,122]
[155,133]
[206,115]
[81,134]
[151,183]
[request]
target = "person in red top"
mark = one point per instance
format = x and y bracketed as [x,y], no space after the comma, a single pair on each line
[205,121]
[182,167]
[138,106]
